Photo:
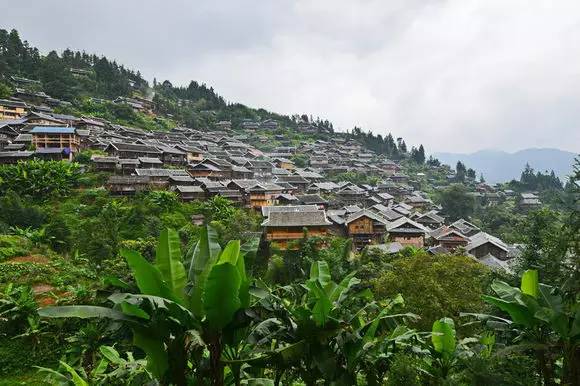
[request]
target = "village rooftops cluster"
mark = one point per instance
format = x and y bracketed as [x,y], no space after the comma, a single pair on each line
[200,164]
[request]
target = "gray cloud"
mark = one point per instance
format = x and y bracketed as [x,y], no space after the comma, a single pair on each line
[457,75]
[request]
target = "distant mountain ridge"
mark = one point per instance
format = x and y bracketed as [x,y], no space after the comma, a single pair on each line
[501,166]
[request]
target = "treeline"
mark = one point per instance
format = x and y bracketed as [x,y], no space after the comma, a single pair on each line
[387,145]
[101,78]
[532,180]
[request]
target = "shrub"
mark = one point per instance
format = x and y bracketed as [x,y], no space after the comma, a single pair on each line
[404,371]
[11,246]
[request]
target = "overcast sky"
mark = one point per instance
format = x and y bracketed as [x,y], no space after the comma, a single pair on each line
[454,75]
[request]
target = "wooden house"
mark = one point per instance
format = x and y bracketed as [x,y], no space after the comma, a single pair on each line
[465,227]
[299,182]
[128,166]
[284,163]
[313,199]
[449,239]
[430,219]
[206,170]
[483,244]
[287,224]
[65,138]
[128,185]
[172,156]
[41,119]
[364,228]
[189,193]
[104,164]
[192,153]
[179,180]
[11,109]
[263,194]
[150,162]
[407,232]
[131,150]
[529,201]
[13,157]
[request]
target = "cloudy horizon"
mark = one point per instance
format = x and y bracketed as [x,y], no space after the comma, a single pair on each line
[456,76]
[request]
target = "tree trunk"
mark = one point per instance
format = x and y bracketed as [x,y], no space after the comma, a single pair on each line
[178,362]
[278,377]
[571,366]
[216,367]
[545,367]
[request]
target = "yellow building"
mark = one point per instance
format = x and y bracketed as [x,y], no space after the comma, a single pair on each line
[12,109]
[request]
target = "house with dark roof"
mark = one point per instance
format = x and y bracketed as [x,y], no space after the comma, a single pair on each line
[104,164]
[407,232]
[483,244]
[189,193]
[285,226]
[172,156]
[131,150]
[529,201]
[430,219]
[449,239]
[12,109]
[128,185]
[364,228]
[465,227]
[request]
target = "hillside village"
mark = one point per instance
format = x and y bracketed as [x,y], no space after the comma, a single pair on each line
[240,164]
[153,233]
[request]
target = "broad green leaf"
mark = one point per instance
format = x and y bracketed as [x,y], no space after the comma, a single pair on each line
[134,310]
[443,336]
[53,374]
[250,248]
[244,282]
[221,295]
[548,298]
[504,290]
[322,306]
[147,276]
[230,253]
[339,292]
[100,368]
[518,313]
[168,262]
[157,358]
[319,271]
[204,257]
[83,312]
[530,283]
[76,378]
[112,355]
[175,310]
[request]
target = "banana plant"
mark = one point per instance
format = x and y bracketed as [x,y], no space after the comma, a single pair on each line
[181,307]
[321,329]
[447,352]
[546,323]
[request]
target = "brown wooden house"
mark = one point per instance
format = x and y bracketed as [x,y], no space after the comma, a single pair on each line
[287,224]
[364,228]
[10,109]
[407,232]
[56,137]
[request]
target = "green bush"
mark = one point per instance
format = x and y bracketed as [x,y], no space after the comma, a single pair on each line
[39,179]
[404,371]
[11,246]
[15,212]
